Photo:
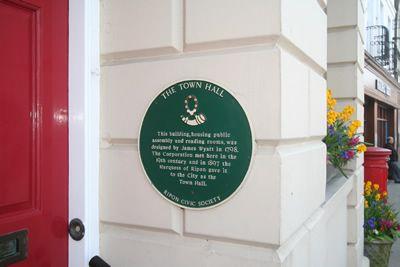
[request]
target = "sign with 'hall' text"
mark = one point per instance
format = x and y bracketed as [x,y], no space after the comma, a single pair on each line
[195,144]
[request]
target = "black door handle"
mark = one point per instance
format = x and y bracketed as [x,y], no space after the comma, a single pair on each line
[96,261]
[76,229]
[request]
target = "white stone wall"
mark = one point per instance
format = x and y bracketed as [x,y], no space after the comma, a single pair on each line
[346,35]
[272,56]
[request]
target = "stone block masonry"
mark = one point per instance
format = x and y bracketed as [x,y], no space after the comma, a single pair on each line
[345,70]
[261,52]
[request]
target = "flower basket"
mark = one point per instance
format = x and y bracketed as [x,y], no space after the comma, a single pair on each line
[343,143]
[378,252]
[332,172]
[381,227]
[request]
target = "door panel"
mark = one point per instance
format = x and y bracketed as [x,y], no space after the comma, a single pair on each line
[34,127]
[17,105]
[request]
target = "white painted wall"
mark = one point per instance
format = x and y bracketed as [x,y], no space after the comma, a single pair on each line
[284,215]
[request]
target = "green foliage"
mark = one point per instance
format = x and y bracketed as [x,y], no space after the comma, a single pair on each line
[380,218]
[342,141]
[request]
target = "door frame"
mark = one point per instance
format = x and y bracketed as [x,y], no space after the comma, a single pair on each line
[84,115]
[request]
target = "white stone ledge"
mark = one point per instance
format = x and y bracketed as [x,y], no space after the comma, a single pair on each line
[122,56]
[281,41]
[230,43]
[344,28]
[309,225]
[123,246]
[356,163]
[231,20]
[295,51]
[337,188]
[192,54]
[287,248]
[341,28]
[346,63]
[213,48]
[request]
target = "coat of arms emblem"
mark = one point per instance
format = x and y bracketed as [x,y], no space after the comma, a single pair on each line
[193,118]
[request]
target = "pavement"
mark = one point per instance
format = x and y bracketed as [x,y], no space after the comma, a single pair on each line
[394,198]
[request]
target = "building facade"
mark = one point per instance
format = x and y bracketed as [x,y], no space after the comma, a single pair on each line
[285,214]
[93,70]
[381,72]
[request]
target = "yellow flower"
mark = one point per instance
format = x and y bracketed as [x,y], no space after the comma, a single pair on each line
[361,148]
[353,128]
[366,204]
[331,102]
[377,197]
[351,131]
[346,113]
[384,194]
[332,116]
[329,93]
[376,186]
[367,192]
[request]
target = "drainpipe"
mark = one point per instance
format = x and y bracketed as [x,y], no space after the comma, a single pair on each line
[396,27]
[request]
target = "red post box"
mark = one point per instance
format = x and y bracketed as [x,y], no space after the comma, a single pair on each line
[376,166]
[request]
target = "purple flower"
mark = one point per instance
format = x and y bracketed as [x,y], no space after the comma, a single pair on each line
[371,223]
[354,141]
[349,154]
[345,155]
[387,224]
[331,131]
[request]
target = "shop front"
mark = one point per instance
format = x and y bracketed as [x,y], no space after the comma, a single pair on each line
[381,104]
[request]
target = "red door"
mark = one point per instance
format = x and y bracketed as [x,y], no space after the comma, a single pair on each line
[33,133]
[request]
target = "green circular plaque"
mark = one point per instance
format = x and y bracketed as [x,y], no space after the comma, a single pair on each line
[195,144]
